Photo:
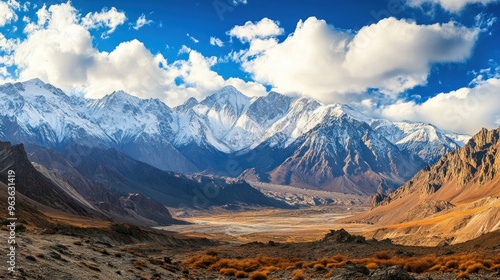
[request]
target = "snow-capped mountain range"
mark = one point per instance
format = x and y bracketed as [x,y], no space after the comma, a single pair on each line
[275,138]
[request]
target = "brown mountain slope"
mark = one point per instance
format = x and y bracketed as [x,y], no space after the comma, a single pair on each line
[454,200]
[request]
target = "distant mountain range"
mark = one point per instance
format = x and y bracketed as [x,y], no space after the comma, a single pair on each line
[276,139]
[109,185]
[452,201]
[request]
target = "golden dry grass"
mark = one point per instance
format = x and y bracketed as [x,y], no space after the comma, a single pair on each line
[462,264]
[258,276]
[298,275]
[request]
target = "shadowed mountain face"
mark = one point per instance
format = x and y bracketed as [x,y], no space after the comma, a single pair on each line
[120,174]
[274,138]
[34,185]
[456,199]
[66,190]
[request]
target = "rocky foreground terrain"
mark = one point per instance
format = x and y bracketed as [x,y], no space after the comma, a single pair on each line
[120,251]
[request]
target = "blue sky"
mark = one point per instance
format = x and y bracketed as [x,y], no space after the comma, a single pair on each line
[422,60]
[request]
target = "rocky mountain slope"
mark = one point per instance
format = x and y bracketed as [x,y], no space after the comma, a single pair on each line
[454,200]
[74,194]
[274,138]
[97,172]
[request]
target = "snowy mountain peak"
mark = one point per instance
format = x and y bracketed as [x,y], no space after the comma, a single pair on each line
[117,99]
[36,87]
[190,103]
[227,95]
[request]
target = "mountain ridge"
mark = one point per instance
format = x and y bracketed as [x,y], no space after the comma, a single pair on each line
[225,129]
[451,201]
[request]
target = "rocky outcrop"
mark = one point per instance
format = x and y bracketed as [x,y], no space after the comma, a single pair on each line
[342,236]
[454,200]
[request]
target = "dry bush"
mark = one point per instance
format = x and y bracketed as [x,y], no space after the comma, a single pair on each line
[371,265]
[212,253]
[241,274]
[298,275]
[319,267]
[463,266]
[419,265]
[228,271]
[453,264]
[467,263]
[475,268]
[139,264]
[201,261]
[271,268]
[463,275]
[258,276]
[338,259]
[382,255]
[328,275]
[495,267]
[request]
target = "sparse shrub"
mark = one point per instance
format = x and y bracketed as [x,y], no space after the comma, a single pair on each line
[338,258]
[228,271]
[475,268]
[382,255]
[212,253]
[371,265]
[118,254]
[298,275]
[241,274]
[139,264]
[201,261]
[488,263]
[453,264]
[258,276]
[463,275]
[319,267]
[417,266]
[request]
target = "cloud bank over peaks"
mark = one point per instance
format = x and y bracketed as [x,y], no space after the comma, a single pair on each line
[326,63]
[464,110]
[59,50]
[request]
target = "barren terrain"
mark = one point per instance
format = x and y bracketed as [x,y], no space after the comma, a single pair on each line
[280,225]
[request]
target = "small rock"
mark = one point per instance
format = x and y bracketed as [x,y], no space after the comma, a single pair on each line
[20,227]
[391,273]
[55,255]
[31,258]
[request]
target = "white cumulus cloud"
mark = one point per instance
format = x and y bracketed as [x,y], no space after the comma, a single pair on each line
[453,6]
[323,62]
[109,19]
[196,41]
[264,28]
[59,50]
[214,41]
[141,21]
[8,11]
[465,110]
